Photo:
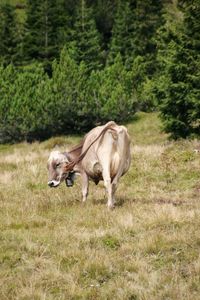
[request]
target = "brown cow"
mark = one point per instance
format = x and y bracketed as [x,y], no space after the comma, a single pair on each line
[104,154]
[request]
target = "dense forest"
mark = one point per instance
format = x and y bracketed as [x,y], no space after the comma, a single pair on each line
[68,65]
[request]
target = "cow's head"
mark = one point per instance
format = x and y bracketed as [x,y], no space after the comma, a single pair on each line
[56,166]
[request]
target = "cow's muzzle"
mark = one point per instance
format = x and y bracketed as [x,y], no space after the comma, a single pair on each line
[53,183]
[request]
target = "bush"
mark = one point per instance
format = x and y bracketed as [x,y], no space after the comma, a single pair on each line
[72,110]
[34,106]
[113,92]
[83,99]
[144,85]
[20,111]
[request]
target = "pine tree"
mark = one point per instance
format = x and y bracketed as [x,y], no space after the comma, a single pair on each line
[104,11]
[122,34]
[86,38]
[8,34]
[133,36]
[45,30]
[148,18]
[134,30]
[180,105]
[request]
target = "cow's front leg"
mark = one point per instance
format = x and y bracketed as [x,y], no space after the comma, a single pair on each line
[85,184]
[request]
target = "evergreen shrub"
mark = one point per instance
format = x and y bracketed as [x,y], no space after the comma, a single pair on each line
[34,106]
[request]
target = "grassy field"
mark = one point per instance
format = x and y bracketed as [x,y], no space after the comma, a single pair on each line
[53,247]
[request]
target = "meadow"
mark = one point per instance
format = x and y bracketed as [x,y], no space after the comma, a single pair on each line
[54,247]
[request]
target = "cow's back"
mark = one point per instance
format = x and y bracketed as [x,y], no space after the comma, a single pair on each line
[111,150]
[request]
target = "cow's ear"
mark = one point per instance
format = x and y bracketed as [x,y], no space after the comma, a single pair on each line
[55,147]
[67,158]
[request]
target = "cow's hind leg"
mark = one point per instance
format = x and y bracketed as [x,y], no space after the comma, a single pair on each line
[105,153]
[114,188]
[109,190]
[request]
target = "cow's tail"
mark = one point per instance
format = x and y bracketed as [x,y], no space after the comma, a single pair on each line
[124,152]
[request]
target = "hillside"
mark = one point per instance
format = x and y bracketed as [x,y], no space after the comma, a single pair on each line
[53,247]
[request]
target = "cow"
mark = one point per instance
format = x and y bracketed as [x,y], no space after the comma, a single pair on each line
[103,154]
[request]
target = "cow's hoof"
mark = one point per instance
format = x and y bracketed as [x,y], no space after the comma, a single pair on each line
[111,206]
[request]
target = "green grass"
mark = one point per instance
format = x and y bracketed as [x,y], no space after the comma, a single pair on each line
[54,247]
[147,129]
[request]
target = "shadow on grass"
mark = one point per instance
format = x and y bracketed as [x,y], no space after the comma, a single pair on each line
[160,201]
[102,201]
[119,201]
[124,201]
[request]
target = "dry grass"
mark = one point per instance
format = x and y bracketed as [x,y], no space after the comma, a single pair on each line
[53,247]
